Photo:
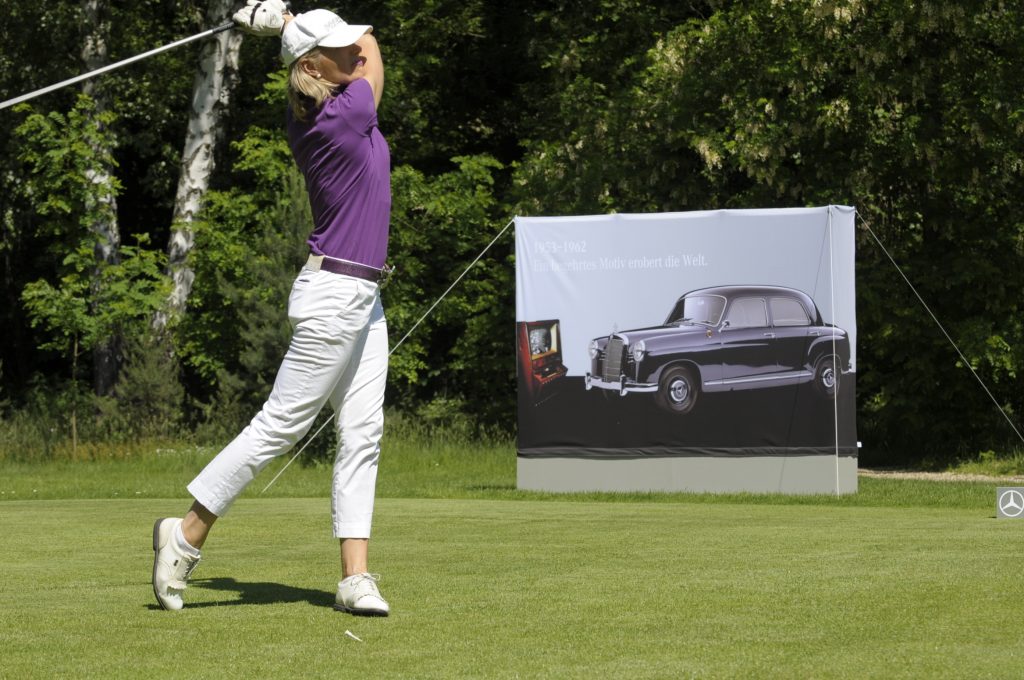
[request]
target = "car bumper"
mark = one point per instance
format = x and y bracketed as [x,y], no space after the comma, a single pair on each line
[623,385]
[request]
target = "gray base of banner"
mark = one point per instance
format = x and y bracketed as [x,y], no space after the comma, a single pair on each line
[753,474]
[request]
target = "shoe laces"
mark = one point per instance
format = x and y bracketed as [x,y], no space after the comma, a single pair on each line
[179,582]
[190,565]
[363,582]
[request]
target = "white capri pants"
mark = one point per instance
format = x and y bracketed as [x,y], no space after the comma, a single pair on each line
[338,353]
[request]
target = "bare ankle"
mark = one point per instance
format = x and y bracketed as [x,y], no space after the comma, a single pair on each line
[197,524]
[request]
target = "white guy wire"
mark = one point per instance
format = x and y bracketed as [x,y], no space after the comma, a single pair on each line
[415,325]
[397,345]
[835,364]
[111,67]
[936,320]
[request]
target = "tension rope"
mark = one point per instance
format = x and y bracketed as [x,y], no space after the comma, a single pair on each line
[867,226]
[398,344]
[837,370]
[941,327]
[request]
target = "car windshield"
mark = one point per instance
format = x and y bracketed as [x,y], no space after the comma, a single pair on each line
[702,309]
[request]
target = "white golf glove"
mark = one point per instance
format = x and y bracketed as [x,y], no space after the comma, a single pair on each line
[261,17]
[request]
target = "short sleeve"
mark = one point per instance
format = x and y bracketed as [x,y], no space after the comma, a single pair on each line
[355,106]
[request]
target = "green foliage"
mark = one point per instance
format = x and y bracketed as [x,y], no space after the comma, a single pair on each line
[590,150]
[912,111]
[993,463]
[98,297]
[93,300]
[37,429]
[91,303]
[249,247]
[148,399]
[64,154]
[439,225]
[420,42]
[4,401]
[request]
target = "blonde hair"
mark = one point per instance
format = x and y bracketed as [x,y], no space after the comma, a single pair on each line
[307,94]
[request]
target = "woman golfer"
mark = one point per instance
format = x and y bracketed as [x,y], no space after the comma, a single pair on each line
[339,347]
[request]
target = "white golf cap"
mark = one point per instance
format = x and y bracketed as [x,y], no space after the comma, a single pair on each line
[317,28]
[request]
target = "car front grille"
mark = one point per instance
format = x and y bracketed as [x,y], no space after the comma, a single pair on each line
[614,356]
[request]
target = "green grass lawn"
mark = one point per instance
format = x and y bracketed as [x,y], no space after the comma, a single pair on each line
[904,579]
[522,589]
[409,468]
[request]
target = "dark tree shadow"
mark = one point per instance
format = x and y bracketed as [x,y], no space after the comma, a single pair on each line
[256,593]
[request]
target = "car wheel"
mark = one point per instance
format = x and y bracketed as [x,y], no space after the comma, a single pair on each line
[826,376]
[677,391]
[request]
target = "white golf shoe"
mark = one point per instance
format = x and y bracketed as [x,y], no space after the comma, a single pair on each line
[171,565]
[359,594]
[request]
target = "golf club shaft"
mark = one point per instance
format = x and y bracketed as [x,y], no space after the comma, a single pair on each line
[111,67]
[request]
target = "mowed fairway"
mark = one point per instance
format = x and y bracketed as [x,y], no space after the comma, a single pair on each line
[522,588]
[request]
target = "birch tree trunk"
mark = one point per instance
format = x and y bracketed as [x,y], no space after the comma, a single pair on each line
[101,202]
[215,78]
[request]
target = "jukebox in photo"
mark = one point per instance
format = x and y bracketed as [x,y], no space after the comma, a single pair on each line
[540,359]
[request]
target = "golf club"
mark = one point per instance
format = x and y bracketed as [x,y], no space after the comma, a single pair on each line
[117,65]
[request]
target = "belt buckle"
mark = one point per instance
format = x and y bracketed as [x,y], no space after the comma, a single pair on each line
[314,262]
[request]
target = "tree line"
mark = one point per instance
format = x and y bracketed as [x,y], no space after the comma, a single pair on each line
[153,218]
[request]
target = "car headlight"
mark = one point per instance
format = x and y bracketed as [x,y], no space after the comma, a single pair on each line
[639,350]
[592,348]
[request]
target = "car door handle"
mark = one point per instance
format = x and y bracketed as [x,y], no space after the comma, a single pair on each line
[769,335]
[814,334]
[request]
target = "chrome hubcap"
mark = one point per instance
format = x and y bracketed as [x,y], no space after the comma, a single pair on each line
[678,391]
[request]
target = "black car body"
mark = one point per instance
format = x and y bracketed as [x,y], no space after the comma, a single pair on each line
[721,339]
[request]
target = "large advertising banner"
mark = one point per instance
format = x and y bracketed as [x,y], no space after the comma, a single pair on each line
[717,333]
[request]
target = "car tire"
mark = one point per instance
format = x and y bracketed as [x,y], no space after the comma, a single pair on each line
[827,375]
[678,390]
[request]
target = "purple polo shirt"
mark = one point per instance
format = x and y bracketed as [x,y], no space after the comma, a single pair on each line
[347,166]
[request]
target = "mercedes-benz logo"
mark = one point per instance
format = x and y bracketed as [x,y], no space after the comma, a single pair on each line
[1011,503]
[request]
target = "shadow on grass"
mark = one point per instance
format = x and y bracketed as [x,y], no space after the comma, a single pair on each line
[257,593]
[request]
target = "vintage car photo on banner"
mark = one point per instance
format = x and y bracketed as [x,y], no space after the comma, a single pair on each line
[714,333]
